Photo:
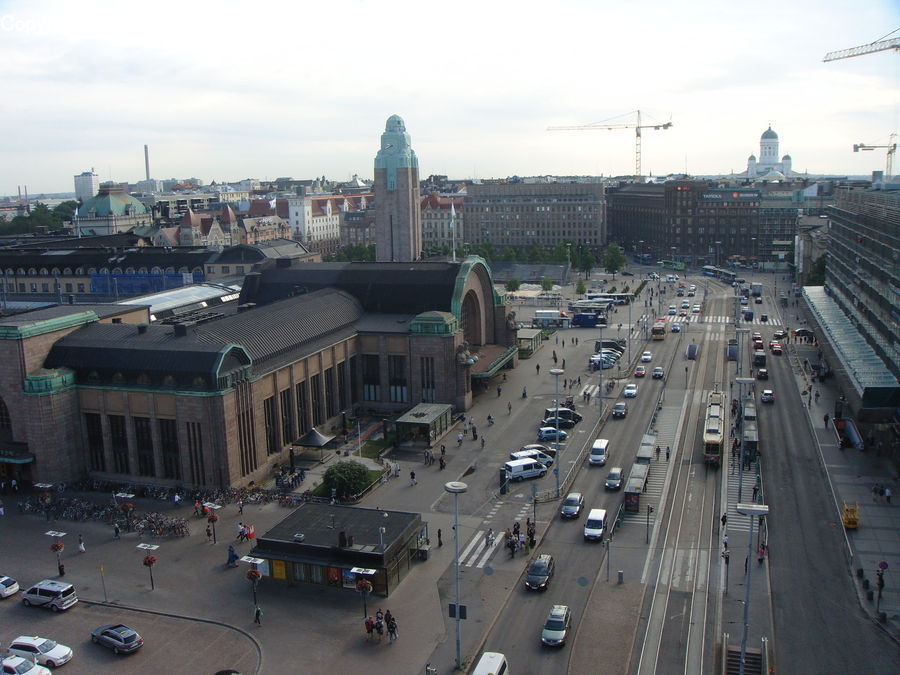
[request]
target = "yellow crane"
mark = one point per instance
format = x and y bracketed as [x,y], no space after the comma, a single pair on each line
[637,126]
[891,149]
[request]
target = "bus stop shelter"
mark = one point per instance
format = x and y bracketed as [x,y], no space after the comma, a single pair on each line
[424,424]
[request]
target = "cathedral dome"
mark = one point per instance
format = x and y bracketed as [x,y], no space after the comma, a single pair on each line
[786,158]
[111,200]
[769,134]
[751,158]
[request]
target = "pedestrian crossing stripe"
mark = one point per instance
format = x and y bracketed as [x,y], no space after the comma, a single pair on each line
[479,550]
[699,318]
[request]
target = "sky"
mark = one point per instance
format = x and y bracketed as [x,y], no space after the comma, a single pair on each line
[230,90]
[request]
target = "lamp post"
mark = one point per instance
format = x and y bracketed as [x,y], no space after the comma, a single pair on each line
[149,560]
[751,511]
[57,547]
[213,517]
[456,488]
[556,372]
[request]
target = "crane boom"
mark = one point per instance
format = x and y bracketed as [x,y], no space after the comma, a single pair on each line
[637,135]
[880,46]
[891,149]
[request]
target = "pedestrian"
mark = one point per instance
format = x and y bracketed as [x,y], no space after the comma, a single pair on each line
[724,520]
[668,452]
[875,492]
[657,453]
[425,454]
[80,544]
[197,507]
[564,364]
[443,463]
[208,534]
[755,492]
[489,537]
[826,420]
[232,557]
[412,478]
[474,434]
[440,541]
[482,442]
[761,553]
[516,528]
[257,616]
[370,627]
[459,439]
[509,408]
[176,500]
[499,390]
[725,541]
[392,629]
[240,507]
[117,533]
[240,531]
[537,368]
[887,495]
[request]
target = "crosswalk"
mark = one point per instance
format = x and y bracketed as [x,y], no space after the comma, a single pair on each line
[701,318]
[740,487]
[480,548]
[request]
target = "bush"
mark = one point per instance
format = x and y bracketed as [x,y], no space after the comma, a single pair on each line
[346,478]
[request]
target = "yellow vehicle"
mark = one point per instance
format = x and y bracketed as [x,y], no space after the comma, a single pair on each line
[851,516]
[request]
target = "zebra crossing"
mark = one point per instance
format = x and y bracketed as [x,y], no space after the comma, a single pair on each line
[484,543]
[700,318]
[744,481]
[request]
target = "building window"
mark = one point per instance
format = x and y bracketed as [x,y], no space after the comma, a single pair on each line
[168,443]
[94,430]
[269,414]
[427,366]
[195,453]
[371,377]
[226,269]
[330,398]
[5,419]
[239,269]
[397,379]
[342,384]
[143,442]
[246,428]
[301,392]
[119,441]
[315,390]
[68,287]
[81,288]
[287,416]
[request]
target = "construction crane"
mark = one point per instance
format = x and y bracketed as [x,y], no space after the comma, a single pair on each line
[637,135]
[891,149]
[872,47]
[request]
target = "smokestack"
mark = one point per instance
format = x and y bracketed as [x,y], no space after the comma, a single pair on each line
[147,161]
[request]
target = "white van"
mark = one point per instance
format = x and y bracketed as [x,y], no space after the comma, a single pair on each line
[56,595]
[491,663]
[595,525]
[542,457]
[599,452]
[520,469]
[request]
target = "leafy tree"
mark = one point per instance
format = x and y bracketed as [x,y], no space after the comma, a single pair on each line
[586,263]
[546,284]
[346,478]
[816,274]
[513,285]
[580,288]
[613,259]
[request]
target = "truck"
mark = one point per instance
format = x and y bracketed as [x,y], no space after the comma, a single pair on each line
[756,290]
[586,320]
[545,318]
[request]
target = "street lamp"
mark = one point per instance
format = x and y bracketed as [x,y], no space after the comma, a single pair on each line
[556,372]
[213,517]
[749,510]
[149,560]
[456,488]
[57,546]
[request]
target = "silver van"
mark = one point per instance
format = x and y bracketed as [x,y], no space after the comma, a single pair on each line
[595,525]
[599,452]
[520,469]
[542,457]
[56,595]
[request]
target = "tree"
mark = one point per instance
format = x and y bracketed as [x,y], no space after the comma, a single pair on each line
[816,274]
[513,285]
[580,288]
[613,259]
[546,284]
[586,264]
[346,479]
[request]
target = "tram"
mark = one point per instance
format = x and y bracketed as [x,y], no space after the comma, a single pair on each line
[714,428]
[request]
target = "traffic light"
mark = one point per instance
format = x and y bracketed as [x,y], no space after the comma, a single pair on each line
[880,581]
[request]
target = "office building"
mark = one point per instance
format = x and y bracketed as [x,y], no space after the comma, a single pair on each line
[87,184]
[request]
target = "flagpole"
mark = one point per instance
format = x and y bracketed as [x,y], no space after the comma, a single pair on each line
[453,226]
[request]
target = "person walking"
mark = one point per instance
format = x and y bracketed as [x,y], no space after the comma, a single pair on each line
[440,540]
[459,439]
[257,616]
[826,420]
[474,434]
[208,534]
[499,390]
[725,541]
[240,506]
[80,544]
[117,533]
[509,408]
[370,627]
[887,495]
[489,537]
[482,442]
[232,557]
[537,368]
[657,453]
[392,630]
[412,478]
[668,452]
[442,462]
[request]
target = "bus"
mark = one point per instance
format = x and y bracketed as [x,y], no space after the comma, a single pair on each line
[613,298]
[710,271]
[672,264]
[727,276]
[714,428]
[658,330]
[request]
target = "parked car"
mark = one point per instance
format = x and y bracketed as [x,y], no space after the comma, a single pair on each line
[549,434]
[658,373]
[546,449]
[556,626]
[16,665]
[561,422]
[8,586]
[614,478]
[572,505]
[539,572]
[630,391]
[118,637]
[620,410]
[768,396]
[41,650]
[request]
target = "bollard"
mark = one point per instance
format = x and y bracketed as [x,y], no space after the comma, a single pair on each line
[882,617]
[865,584]
[870,595]
[860,572]
[620,575]
[62,570]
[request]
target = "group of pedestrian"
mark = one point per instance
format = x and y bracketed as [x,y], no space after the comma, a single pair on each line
[244,532]
[881,493]
[381,622]
[11,487]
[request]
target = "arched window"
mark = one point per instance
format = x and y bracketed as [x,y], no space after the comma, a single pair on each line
[32,272]
[117,270]
[79,271]
[170,270]
[129,270]
[143,379]
[118,378]
[169,381]
[44,272]
[67,271]
[20,272]
[155,270]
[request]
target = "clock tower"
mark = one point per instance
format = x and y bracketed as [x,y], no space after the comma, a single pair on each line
[398,221]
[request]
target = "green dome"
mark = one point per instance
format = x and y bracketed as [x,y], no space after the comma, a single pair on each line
[768,133]
[112,200]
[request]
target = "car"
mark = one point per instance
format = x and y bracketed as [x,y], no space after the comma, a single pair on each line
[614,478]
[620,410]
[757,300]
[561,422]
[757,345]
[546,449]
[779,334]
[572,505]
[691,294]
[658,373]
[640,371]
[695,309]
[556,626]
[653,275]
[680,293]
[762,374]
[626,273]
[676,328]
[777,349]
[539,572]
[8,586]
[744,301]
[16,665]
[630,391]
[646,357]
[41,650]
[673,310]
[685,304]
[764,318]
[682,312]
[549,434]
[118,637]
[756,336]
[768,396]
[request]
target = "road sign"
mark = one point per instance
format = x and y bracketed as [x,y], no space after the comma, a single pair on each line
[882,565]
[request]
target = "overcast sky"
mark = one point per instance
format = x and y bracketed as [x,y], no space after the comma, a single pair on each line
[228,90]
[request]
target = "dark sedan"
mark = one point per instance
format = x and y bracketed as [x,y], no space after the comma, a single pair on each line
[118,637]
[539,572]
[560,422]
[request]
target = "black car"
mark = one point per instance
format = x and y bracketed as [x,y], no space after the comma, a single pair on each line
[763,317]
[758,301]
[614,479]
[539,572]
[627,274]
[762,374]
[572,505]
[620,409]
[561,422]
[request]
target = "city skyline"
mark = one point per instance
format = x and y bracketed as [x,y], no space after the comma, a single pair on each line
[295,92]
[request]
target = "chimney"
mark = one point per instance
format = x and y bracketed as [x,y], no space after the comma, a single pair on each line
[147,161]
[181,329]
[142,328]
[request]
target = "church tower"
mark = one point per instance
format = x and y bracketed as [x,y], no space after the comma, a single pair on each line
[768,149]
[398,221]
